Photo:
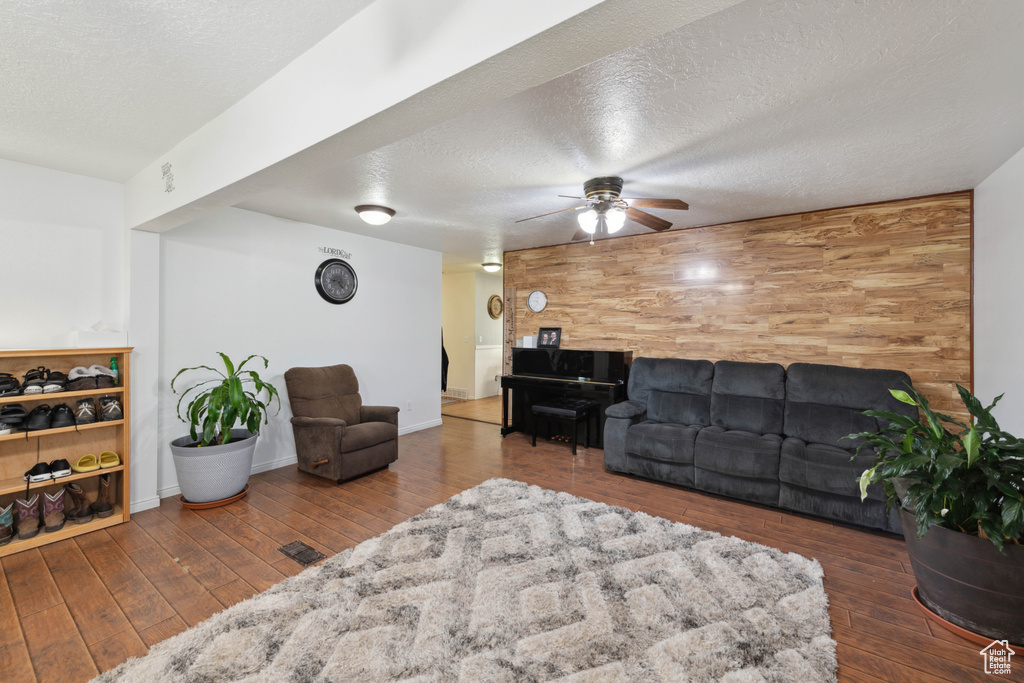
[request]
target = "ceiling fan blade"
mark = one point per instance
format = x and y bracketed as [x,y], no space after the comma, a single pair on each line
[549,213]
[569,196]
[659,203]
[580,235]
[647,220]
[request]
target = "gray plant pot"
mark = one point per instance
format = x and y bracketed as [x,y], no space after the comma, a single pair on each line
[212,473]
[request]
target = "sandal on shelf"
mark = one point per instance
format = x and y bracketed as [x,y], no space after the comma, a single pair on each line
[55,381]
[35,379]
[86,463]
[9,386]
[109,459]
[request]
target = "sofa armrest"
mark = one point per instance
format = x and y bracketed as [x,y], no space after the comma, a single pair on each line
[378,414]
[627,409]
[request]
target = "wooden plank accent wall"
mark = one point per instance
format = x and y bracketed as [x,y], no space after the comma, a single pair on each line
[884,285]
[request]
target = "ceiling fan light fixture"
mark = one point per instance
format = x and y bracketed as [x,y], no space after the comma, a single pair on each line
[492,267]
[588,221]
[375,215]
[615,218]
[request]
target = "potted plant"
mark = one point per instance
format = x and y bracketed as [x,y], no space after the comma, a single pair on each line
[214,461]
[961,493]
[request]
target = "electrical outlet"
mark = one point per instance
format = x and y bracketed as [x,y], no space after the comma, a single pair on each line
[481,339]
[465,340]
[408,405]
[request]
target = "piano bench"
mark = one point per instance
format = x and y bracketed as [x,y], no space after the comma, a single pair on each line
[566,408]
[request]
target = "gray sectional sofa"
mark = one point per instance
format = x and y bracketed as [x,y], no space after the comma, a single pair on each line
[756,431]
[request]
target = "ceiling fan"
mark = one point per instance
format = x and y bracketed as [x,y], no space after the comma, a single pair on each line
[606,211]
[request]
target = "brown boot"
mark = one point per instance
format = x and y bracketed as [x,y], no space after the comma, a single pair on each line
[28,516]
[103,507]
[80,512]
[53,511]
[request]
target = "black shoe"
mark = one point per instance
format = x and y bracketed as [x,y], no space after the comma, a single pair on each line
[60,468]
[55,381]
[110,409]
[62,416]
[8,385]
[39,418]
[39,472]
[85,411]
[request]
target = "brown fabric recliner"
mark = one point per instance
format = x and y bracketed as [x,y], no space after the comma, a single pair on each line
[336,436]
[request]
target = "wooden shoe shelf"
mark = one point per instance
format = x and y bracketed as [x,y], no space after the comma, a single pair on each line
[21,450]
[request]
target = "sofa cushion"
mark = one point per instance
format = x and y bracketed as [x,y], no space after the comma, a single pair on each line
[749,397]
[679,407]
[824,403]
[667,442]
[824,468]
[739,454]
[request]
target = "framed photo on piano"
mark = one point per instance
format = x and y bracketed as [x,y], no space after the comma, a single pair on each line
[549,337]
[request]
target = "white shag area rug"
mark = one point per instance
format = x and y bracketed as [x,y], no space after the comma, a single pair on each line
[510,582]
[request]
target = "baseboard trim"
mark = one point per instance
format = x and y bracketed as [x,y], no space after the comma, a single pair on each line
[145,504]
[423,425]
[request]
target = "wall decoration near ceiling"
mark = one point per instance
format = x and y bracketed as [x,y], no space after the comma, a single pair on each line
[884,285]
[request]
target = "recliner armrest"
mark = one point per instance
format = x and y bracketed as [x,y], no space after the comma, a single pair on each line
[627,409]
[379,414]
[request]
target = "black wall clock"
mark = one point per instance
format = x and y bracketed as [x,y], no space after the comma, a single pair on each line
[336,281]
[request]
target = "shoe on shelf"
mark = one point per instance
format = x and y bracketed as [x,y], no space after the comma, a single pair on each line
[40,418]
[86,463]
[28,516]
[109,459]
[81,379]
[63,416]
[110,409]
[81,512]
[85,411]
[53,511]
[103,507]
[55,381]
[105,377]
[7,524]
[9,386]
[35,379]
[39,472]
[60,468]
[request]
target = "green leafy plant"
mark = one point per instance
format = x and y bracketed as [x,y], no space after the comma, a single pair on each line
[971,480]
[233,397]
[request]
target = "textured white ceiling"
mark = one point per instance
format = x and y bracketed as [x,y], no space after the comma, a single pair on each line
[763,109]
[102,88]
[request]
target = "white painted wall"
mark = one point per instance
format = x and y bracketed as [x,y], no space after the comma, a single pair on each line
[459,324]
[144,336]
[998,282]
[63,244]
[242,283]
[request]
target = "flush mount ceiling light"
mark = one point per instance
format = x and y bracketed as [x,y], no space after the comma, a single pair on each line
[375,215]
[492,267]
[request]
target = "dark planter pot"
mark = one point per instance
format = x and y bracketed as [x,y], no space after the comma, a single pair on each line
[965,580]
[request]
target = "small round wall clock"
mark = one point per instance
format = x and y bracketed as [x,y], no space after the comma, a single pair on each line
[495,307]
[537,301]
[336,281]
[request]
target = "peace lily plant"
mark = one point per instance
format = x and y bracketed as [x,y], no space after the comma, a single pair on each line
[970,479]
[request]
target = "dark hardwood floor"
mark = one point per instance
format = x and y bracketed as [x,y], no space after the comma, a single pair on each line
[80,606]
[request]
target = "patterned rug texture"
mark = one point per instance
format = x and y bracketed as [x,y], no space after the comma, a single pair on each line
[510,582]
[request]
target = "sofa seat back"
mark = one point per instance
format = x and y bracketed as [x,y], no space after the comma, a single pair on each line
[675,390]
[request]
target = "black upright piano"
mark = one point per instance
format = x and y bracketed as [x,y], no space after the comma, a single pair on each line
[543,374]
